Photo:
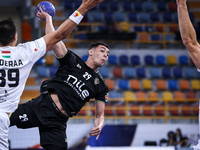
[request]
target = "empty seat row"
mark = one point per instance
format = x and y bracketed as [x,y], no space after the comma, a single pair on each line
[149,72]
[160,84]
[133,17]
[147,59]
[155,96]
[146,109]
[125,59]
[126,5]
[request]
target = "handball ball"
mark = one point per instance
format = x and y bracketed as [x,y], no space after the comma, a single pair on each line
[47,7]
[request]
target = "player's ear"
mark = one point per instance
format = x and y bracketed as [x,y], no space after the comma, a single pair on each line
[16,36]
[90,52]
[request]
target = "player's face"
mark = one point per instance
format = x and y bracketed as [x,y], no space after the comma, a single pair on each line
[100,55]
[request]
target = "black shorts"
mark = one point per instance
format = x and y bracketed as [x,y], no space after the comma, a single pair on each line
[41,112]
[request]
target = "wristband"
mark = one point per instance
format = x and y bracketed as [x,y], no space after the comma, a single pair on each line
[76,17]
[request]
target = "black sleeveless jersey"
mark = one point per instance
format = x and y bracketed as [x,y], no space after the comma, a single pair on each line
[75,83]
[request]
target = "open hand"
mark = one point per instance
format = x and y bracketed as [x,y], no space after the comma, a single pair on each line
[42,15]
[91,3]
[95,131]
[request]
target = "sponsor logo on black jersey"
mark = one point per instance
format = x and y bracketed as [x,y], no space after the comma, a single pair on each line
[79,66]
[96,81]
[78,86]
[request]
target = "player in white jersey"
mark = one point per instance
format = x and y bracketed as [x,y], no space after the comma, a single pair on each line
[17,61]
[189,39]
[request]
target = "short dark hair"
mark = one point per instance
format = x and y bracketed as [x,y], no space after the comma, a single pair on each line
[99,43]
[7,31]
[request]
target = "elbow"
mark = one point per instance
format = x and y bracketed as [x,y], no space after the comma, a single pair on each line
[188,42]
[101,115]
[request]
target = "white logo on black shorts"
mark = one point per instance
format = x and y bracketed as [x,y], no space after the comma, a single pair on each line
[23,118]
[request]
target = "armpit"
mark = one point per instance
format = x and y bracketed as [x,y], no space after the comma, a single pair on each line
[62,55]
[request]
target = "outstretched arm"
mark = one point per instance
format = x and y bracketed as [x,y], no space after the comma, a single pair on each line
[59,48]
[99,119]
[67,26]
[188,33]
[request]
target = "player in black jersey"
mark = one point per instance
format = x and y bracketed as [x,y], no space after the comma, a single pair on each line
[63,96]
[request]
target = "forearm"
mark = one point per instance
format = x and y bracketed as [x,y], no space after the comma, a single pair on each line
[49,25]
[99,121]
[186,28]
[59,48]
[63,31]
[188,33]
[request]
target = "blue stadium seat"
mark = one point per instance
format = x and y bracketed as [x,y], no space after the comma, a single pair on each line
[172,84]
[140,72]
[191,16]
[103,6]
[97,16]
[84,58]
[189,72]
[138,28]
[148,59]
[123,59]
[114,94]
[127,6]
[132,16]
[148,6]
[183,60]
[178,72]
[40,61]
[82,36]
[114,5]
[124,84]
[154,17]
[198,74]
[129,72]
[43,71]
[112,59]
[175,17]
[167,16]
[53,70]
[135,60]
[102,28]
[166,72]
[160,59]
[155,72]
[143,17]
[68,5]
[108,16]
[162,6]
[169,37]
[77,3]
[118,16]
[138,6]
[155,37]
[104,71]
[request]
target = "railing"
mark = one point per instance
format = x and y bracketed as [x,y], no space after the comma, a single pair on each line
[127,107]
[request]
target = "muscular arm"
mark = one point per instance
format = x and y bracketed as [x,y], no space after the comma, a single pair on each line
[187,31]
[99,119]
[67,26]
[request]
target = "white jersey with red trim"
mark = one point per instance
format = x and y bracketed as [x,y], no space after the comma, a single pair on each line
[15,66]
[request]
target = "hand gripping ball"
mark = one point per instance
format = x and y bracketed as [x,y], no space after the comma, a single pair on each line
[46,7]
